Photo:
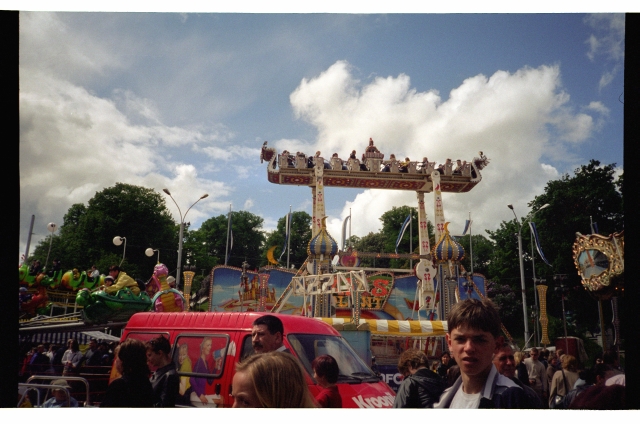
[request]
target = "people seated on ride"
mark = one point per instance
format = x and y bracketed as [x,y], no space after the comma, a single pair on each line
[301,160]
[24,296]
[387,166]
[286,159]
[445,168]
[363,164]
[35,268]
[120,281]
[55,267]
[93,273]
[108,281]
[336,162]
[404,166]
[326,371]
[458,168]
[60,399]
[171,280]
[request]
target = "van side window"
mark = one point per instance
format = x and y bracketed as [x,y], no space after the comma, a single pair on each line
[247,348]
[310,346]
[199,361]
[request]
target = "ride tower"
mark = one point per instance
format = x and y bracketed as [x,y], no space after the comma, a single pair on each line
[374,172]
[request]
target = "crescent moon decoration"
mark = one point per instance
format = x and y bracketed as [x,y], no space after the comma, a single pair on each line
[270,257]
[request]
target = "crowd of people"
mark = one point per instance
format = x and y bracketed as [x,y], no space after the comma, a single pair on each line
[53,359]
[482,371]
[50,360]
[479,370]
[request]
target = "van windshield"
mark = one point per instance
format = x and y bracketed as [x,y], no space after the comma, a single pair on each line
[352,368]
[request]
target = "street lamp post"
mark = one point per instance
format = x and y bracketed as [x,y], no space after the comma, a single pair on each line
[522,285]
[563,290]
[149,252]
[117,240]
[182,218]
[52,229]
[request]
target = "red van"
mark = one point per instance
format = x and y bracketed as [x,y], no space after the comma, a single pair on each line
[224,338]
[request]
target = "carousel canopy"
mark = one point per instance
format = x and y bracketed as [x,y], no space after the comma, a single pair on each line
[385,327]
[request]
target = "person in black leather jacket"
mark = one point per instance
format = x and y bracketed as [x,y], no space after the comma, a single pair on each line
[421,387]
[165,380]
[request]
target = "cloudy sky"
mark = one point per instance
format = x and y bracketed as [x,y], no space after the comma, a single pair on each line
[185,101]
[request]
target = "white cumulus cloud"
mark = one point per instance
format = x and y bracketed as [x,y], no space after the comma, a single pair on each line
[517,119]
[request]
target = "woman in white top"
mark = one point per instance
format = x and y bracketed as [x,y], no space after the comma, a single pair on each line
[71,358]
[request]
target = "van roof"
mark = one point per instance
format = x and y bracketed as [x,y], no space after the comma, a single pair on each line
[224,321]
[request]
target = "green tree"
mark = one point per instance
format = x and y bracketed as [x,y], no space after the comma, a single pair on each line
[591,193]
[392,223]
[371,243]
[248,240]
[509,305]
[137,213]
[300,237]
[197,252]
[482,252]
[504,267]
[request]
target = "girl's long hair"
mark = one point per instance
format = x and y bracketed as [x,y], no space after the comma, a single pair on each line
[278,380]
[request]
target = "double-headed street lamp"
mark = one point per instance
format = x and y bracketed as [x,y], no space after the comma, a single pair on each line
[182,218]
[522,286]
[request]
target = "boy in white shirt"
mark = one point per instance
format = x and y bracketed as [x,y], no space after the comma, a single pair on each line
[473,338]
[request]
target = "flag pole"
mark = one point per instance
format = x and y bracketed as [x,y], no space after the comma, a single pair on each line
[410,237]
[603,336]
[288,230]
[349,225]
[470,244]
[226,251]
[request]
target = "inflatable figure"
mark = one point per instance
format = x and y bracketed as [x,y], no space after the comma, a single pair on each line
[165,299]
[100,306]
